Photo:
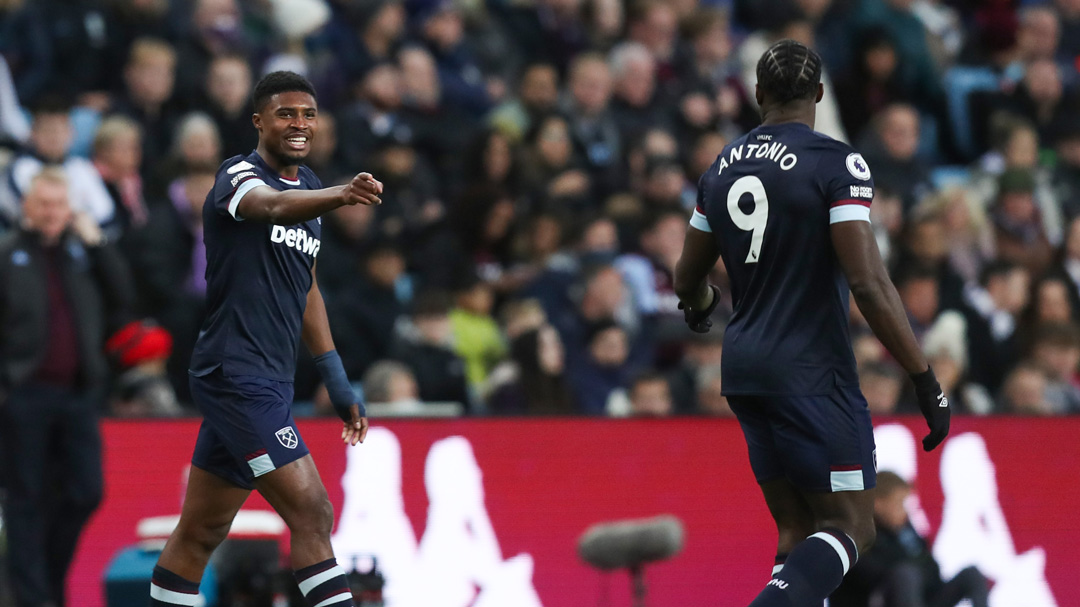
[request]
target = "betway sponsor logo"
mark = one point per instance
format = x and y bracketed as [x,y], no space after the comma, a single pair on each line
[296,238]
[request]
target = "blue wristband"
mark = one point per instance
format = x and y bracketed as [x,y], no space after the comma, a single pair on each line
[337,384]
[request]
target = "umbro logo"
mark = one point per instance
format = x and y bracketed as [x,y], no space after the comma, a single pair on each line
[942,401]
[287,437]
[781,584]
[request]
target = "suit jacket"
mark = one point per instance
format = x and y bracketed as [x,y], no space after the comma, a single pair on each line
[97,285]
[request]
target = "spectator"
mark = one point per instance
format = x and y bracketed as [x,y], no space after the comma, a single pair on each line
[1016,148]
[440,129]
[228,92]
[970,241]
[197,143]
[140,351]
[54,378]
[701,352]
[1039,33]
[920,293]
[149,80]
[440,26]
[388,381]
[118,159]
[425,344]
[363,36]
[881,384]
[926,247]
[168,262]
[365,308]
[1024,392]
[1066,175]
[636,105]
[216,29]
[492,161]
[1068,264]
[375,115]
[50,143]
[603,373]
[1056,350]
[476,335]
[650,396]
[538,96]
[552,172]
[899,570]
[992,312]
[873,83]
[654,25]
[945,347]
[1041,97]
[893,154]
[591,122]
[1050,302]
[533,380]
[1019,234]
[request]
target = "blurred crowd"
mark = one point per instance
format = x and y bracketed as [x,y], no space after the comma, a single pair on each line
[540,160]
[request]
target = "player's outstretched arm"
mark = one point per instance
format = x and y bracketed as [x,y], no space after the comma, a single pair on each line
[315,332]
[289,207]
[857,251]
[697,299]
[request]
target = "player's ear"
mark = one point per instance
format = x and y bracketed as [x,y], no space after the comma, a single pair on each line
[256,120]
[758,96]
[820,92]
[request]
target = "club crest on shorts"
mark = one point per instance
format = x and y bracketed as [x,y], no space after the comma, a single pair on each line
[287,437]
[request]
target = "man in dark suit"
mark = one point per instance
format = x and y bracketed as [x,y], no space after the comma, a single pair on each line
[60,284]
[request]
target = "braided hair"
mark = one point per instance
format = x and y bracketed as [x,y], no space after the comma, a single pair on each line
[788,71]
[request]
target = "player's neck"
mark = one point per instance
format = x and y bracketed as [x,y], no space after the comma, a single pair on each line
[789,113]
[288,171]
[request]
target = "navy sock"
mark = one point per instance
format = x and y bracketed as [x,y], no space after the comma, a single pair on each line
[324,585]
[169,590]
[811,572]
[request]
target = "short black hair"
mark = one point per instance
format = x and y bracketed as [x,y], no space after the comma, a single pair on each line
[788,71]
[279,82]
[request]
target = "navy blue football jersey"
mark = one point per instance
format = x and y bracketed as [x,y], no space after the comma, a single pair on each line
[769,200]
[257,277]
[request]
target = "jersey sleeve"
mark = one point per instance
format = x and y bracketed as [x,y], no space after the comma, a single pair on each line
[847,183]
[233,183]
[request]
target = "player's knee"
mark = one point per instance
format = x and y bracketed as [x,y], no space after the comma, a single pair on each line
[204,537]
[315,518]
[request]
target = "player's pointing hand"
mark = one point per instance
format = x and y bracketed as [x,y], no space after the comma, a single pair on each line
[363,189]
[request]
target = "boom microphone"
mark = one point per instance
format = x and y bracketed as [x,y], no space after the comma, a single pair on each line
[632,542]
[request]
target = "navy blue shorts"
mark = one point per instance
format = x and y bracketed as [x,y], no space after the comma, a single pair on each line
[820,443]
[247,429]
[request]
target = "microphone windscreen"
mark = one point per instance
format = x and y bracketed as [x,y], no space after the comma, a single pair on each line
[631,542]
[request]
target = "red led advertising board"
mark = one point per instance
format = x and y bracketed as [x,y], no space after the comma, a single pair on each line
[489,511]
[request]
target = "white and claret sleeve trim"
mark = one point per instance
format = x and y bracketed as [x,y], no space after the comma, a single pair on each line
[699,221]
[242,189]
[849,210]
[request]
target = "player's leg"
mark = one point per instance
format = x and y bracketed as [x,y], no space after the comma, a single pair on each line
[297,494]
[210,505]
[794,519]
[790,512]
[826,447]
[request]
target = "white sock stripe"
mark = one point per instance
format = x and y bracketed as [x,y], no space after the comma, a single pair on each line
[831,540]
[309,584]
[341,596]
[776,569]
[173,597]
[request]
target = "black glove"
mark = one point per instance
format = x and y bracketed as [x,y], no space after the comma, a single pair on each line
[934,406]
[698,320]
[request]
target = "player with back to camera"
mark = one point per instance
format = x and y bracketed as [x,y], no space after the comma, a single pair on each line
[788,210]
[262,229]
